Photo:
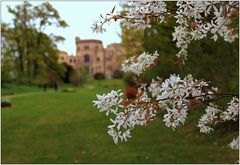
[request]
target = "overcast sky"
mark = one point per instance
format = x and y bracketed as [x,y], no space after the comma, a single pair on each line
[79,16]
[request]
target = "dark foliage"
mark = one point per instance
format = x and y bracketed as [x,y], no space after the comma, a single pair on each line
[99,76]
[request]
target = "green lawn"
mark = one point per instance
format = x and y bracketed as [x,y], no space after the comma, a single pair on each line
[58,127]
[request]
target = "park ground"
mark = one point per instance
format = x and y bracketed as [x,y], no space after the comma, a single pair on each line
[64,127]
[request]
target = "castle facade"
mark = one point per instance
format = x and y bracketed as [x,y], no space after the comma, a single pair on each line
[97,59]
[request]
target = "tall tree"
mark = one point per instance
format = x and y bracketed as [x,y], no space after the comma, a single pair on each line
[27,42]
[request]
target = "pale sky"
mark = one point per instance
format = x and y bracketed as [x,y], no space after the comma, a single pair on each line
[79,16]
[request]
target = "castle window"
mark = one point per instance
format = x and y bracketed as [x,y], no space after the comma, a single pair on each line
[86,58]
[98,59]
[62,58]
[86,47]
[70,60]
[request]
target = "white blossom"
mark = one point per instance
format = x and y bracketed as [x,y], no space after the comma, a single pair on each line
[190,17]
[139,64]
[220,24]
[235,144]
[175,116]
[140,13]
[126,121]
[208,118]
[132,115]
[178,89]
[155,88]
[119,121]
[173,94]
[232,112]
[115,135]
[109,102]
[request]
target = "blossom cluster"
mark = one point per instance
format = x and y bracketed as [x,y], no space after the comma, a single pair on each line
[132,114]
[232,112]
[171,96]
[174,94]
[141,12]
[208,118]
[215,113]
[109,102]
[139,64]
[195,20]
[191,17]
[235,144]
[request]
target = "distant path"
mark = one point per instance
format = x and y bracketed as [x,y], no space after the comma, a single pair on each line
[20,95]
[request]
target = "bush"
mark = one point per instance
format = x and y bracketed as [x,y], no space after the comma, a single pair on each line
[99,76]
[75,78]
[78,77]
[7,93]
[117,74]
[6,103]
[69,70]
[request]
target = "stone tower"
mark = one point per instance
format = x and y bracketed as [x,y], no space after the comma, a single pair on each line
[91,55]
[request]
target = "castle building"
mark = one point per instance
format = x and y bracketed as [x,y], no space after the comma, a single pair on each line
[97,59]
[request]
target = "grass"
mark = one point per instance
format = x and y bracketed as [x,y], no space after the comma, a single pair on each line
[59,127]
[14,89]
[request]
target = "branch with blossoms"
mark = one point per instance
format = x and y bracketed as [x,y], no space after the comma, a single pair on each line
[173,97]
[195,20]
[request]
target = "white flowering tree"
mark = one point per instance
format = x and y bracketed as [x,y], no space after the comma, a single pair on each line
[173,96]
